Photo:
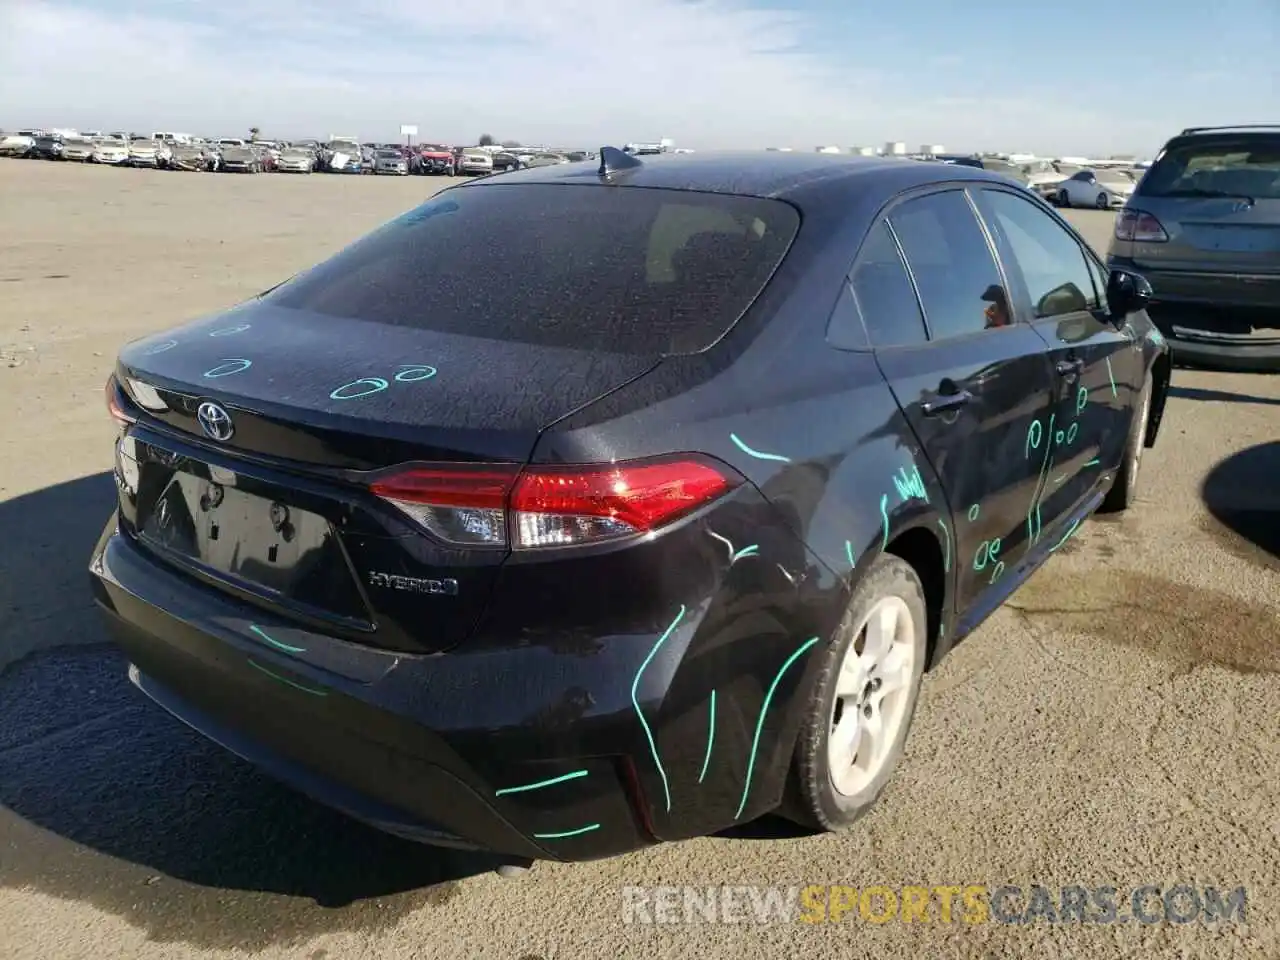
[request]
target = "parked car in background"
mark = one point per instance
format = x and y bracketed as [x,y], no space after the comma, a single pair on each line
[79,148]
[504,161]
[111,149]
[546,160]
[1044,176]
[244,159]
[17,145]
[145,152]
[343,155]
[1203,226]
[47,147]
[1102,189]
[191,157]
[437,160]
[268,152]
[390,161]
[813,420]
[473,161]
[297,159]
[994,164]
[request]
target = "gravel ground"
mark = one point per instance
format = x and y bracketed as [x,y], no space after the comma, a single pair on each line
[1115,724]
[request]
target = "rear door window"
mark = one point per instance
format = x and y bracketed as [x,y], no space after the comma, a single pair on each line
[613,269]
[951,262]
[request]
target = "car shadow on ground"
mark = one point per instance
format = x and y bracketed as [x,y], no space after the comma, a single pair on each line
[1223,396]
[199,847]
[1242,496]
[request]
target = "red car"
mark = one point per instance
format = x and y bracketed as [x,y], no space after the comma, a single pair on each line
[436,159]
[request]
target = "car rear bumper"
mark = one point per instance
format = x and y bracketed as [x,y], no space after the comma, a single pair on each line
[1215,319]
[427,748]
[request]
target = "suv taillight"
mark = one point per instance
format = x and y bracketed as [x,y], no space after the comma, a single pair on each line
[1138,226]
[496,505]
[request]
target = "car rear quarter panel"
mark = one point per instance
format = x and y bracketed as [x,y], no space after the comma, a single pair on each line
[834,475]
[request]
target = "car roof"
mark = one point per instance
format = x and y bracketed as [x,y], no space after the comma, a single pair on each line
[803,179]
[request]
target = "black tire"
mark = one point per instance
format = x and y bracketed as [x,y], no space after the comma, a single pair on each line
[812,799]
[1124,491]
[1063,199]
[1102,203]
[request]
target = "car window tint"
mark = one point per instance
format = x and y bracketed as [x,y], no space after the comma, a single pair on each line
[1240,165]
[883,291]
[649,272]
[951,262]
[1050,261]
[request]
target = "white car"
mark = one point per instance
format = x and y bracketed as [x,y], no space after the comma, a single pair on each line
[296,160]
[78,148]
[475,160]
[148,153]
[1101,189]
[110,150]
[17,144]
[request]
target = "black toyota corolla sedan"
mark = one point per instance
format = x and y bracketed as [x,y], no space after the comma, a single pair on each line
[639,527]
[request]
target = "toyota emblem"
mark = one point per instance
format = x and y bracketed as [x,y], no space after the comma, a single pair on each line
[215,421]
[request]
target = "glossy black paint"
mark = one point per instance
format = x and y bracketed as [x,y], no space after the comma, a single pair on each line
[579,703]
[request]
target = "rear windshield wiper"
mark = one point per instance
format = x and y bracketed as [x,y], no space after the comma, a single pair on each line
[1220,194]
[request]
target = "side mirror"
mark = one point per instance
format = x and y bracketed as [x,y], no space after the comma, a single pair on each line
[1066,298]
[1127,293]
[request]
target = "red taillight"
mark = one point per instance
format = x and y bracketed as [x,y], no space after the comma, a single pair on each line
[113,403]
[1138,226]
[550,506]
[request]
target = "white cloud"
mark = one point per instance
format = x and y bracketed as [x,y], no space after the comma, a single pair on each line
[709,73]
[713,71]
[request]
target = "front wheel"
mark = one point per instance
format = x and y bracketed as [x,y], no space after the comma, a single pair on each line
[1063,199]
[1124,491]
[1103,202]
[856,725]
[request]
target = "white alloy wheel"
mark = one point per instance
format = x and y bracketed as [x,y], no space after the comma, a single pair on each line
[873,695]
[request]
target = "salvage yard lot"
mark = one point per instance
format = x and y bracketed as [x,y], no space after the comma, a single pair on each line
[1116,724]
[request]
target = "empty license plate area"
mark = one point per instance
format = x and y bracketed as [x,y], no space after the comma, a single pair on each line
[194,514]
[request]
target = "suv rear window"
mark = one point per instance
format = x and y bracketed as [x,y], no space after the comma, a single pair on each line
[614,269]
[1238,166]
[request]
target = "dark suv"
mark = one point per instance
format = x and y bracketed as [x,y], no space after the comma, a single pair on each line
[1203,226]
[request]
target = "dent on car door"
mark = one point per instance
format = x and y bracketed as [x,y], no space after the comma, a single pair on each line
[969,379]
[1055,283]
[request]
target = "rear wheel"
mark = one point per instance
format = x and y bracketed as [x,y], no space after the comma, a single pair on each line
[1124,491]
[856,725]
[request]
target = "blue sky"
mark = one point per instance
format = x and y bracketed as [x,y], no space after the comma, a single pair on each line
[1059,78]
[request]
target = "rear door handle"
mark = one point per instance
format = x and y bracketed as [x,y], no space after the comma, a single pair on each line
[1069,368]
[943,402]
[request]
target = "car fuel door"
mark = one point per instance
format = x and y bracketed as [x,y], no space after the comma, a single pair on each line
[1055,286]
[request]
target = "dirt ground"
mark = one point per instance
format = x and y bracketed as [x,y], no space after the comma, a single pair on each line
[1115,725]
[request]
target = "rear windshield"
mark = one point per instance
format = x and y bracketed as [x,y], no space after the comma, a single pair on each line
[1243,167]
[612,269]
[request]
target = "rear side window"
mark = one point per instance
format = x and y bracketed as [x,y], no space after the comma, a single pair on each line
[1247,166]
[951,261]
[884,294]
[613,269]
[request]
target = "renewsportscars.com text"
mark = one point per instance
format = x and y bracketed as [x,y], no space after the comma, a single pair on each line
[962,904]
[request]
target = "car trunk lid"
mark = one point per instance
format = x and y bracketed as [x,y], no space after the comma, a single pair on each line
[281,512]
